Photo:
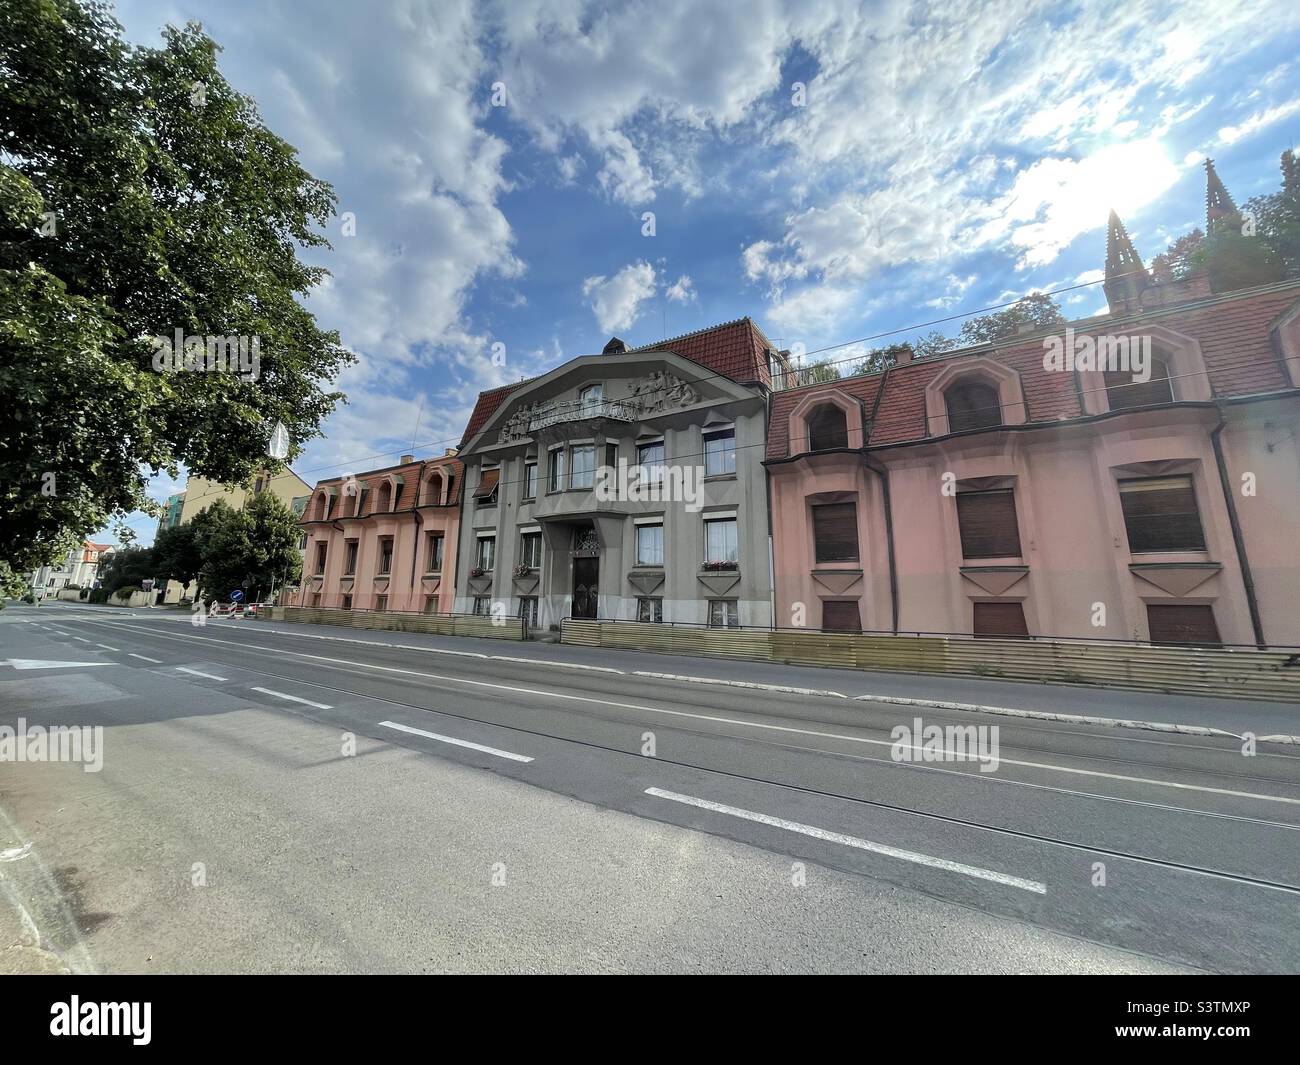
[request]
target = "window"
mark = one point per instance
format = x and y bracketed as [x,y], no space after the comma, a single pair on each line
[257,487]
[360,509]
[649,545]
[972,405]
[559,464]
[386,554]
[315,598]
[485,495]
[482,605]
[650,460]
[530,550]
[384,501]
[1000,619]
[1160,514]
[381,602]
[487,551]
[347,602]
[835,532]
[528,610]
[841,615]
[584,466]
[431,604]
[723,614]
[611,456]
[828,427]
[719,452]
[720,540]
[988,524]
[1182,623]
[590,399]
[650,609]
[434,556]
[321,548]
[302,542]
[530,480]
[350,558]
[1122,392]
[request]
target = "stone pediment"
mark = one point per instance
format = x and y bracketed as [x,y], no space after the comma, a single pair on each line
[431,584]
[837,581]
[527,585]
[1176,578]
[480,584]
[646,581]
[719,583]
[994,580]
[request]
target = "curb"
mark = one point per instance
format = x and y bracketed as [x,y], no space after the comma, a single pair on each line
[1074,719]
[741,684]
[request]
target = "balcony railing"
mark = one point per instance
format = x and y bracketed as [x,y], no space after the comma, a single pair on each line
[576,410]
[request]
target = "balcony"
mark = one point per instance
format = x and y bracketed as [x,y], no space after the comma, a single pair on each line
[576,410]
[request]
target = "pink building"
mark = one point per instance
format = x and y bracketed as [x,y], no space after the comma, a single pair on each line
[385,539]
[980,492]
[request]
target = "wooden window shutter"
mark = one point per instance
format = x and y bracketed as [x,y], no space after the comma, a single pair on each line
[1160,514]
[1182,623]
[488,483]
[840,615]
[835,532]
[1000,619]
[988,524]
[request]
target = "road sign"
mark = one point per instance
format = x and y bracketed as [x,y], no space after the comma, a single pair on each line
[237,595]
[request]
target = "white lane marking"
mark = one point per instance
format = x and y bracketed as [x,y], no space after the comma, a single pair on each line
[82,639]
[338,662]
[559,665]
[853,841]
[145,658]
[198,673]
[40,663]
[14,854]
[459,743]
[293,698]
[106,647]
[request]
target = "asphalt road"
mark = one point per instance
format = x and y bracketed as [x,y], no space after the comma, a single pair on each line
[508,815]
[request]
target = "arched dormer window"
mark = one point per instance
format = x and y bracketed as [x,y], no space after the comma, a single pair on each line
[321,511]
[433,489]
[972,404]
[828,428]
[384,499]
[1122,392]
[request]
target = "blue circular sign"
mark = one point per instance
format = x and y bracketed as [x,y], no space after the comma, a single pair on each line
[237,595]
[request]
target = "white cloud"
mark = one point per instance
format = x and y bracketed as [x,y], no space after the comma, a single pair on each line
[1254,123]
[616,301]
[682,290]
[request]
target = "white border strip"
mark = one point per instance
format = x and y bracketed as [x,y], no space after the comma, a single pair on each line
[293,698]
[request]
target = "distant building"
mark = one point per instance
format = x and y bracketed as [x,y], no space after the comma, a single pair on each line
[385,539]
[172,514]
[80,568]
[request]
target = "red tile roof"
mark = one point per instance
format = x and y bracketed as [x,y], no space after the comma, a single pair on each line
[736,350]
[1232,330]
[409,472]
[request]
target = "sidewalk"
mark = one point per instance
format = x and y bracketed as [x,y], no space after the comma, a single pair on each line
[1234,716]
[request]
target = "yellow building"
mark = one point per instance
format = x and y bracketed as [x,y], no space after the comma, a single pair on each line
[200,493]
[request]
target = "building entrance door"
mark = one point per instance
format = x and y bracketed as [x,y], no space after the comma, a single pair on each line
[586,578]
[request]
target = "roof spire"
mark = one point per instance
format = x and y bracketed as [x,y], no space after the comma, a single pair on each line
[1218,203]
[1126,276]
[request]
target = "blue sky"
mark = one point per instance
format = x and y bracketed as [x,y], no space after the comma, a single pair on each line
[940,158]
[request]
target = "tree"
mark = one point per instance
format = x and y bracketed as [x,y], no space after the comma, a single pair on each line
[127,566]
[933,343]
[140,195]
[176,554]
[816,373]
[881,358]
[254,549]
[1032,313]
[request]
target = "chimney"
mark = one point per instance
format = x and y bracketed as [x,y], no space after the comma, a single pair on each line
[450,451]
[903,355]
[407,458]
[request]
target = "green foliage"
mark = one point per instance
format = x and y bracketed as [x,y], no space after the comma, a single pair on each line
[12,583]
[1032,313]
[816,373]
[127,566]
[255,549]
[881,358]
[176,555]
[140,194]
